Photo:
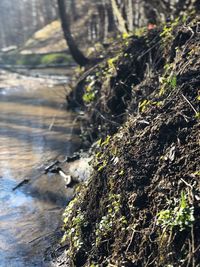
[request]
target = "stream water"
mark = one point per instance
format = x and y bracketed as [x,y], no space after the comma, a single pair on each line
[34,129]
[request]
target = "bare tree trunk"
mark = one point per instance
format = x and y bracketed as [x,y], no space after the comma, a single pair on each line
[34,14]
[121,22]
[74,50]
[110,17]
[108,20]
[129,12]
[102,20]
[74,10]
[106,25]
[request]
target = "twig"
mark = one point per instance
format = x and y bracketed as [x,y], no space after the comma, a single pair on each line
[186,183]
[131,240]
[25,181]
[61,263]
[104,118]
[150,263]
[61,248]
[50,167]
[72,158]
[192,35]
[39,237]
[193,247]
[86,73]
[189,255]
[148,50]
[197,249]
[52,123]
[189,104]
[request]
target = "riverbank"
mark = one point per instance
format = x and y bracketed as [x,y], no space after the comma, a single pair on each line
[140,207]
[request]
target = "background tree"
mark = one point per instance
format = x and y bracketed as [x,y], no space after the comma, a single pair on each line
[74,50]
[106,18]
[19,21]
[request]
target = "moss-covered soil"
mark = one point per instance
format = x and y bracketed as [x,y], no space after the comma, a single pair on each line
[141,205]
[34,60]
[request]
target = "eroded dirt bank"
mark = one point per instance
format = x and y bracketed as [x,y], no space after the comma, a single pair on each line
[141,206]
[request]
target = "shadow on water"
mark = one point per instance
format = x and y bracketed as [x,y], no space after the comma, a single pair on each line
[33,129]
[49,143]
[26,101]
[15,121]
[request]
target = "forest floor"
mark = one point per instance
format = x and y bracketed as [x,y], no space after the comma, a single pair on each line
[141,205]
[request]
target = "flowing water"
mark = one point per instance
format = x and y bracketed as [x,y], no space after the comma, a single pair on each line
[34,129]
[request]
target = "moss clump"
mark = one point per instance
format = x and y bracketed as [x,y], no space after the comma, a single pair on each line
[60,58]
[25,60]
[21,60]
[36,59]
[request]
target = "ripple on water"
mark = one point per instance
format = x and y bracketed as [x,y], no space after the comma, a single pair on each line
[33,128]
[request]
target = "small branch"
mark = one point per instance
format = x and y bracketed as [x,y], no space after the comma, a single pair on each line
[189,255]
[105,119]
[193,247]
[52,123]
[189,185]
[72,158]
[131,240]
[189,104]
[25,181]
[40,237]
[51,166]
[197,249]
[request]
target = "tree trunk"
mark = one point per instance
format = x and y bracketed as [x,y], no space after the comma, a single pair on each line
[129,12]
[74,10]
[74,50]
[121,22]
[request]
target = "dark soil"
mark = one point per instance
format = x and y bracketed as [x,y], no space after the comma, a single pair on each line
[147,167]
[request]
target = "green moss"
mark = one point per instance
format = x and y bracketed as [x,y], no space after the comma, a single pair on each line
[56,59]
[35,59]
[31,60]
[21,60]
